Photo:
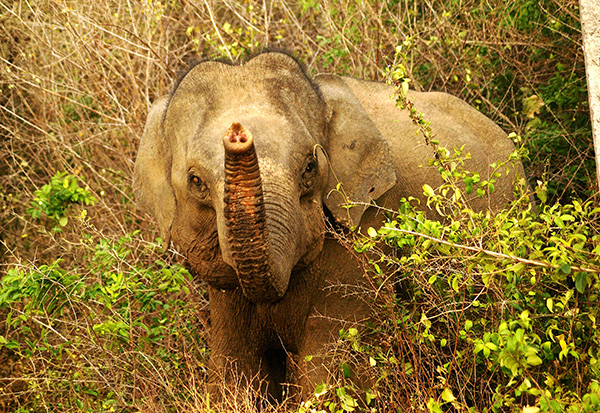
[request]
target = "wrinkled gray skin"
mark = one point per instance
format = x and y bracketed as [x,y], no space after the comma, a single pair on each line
[258,237]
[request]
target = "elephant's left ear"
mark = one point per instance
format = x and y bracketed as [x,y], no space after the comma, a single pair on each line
[360,158]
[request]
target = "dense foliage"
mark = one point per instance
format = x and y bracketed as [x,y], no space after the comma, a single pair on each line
[483,312]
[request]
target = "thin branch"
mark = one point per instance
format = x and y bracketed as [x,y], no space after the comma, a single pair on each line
[493,253]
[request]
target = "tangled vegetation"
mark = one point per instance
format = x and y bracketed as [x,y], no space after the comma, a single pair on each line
[486,313]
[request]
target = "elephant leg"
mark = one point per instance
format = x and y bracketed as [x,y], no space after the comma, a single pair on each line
[239,365]
[230,377]
[320,361]
[314,363]
[239,373]
[319,356]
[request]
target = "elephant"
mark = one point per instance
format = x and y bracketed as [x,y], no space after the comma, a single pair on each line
[248,169]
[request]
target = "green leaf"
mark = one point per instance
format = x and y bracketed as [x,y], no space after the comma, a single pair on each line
[404,88]
[346,370]
[455,283]
[468,325]
[550,304]
[370,395]
[491,346]
[434,406]
[372,232]
[320,389]
[565,268]
[469,187]
[581,282]
[428,190]
[348,402]
[13,345]
[447,395]
[63,221]
[534,360]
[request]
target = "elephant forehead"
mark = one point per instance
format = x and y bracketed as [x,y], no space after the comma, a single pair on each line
[205,142]
[253,115]
[274,135]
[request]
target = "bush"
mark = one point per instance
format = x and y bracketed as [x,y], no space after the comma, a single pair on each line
[55,199]
[502,307]
[90,334]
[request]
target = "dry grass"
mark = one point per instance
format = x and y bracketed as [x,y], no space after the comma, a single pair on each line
[76,81]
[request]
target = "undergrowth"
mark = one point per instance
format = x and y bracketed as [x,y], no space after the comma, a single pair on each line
[491,312]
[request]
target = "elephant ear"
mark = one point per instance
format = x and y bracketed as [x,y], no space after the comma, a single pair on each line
[360,158]
[152,171]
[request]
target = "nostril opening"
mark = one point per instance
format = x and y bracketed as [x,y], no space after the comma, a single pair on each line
[237,139]
[371,190]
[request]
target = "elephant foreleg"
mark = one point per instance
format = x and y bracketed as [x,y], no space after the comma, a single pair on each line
[239,368]
[314,365]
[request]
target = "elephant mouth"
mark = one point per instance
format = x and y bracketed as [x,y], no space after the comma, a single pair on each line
[259,267]
[220,275]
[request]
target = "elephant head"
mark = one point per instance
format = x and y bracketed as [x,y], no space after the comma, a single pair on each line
[238,163]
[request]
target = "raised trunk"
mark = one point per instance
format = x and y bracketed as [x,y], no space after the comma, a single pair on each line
[258,270]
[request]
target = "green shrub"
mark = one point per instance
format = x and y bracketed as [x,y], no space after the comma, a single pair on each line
[55,199]
[87,334]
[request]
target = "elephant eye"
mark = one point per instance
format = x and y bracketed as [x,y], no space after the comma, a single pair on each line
[199,186]
[197,182]
[309,175]
[311,166]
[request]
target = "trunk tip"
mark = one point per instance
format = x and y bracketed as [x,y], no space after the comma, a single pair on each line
[237,139]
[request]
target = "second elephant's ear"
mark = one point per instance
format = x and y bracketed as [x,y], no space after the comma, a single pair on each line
[152,172]
[360,158]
